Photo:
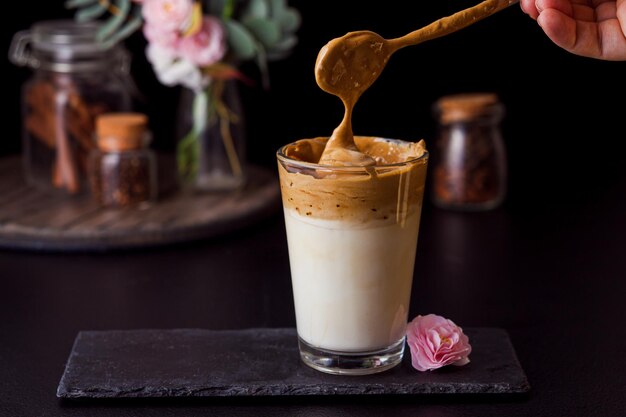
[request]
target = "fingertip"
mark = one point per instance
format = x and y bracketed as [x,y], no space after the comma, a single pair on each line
[558,27]
[541,21]
[540,6]
[529,7]
[522,5]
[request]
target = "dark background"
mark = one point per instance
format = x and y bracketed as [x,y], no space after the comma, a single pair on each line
[565,112]
[549,267]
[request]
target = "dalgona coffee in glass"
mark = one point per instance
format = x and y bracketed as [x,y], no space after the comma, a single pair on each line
[352,235]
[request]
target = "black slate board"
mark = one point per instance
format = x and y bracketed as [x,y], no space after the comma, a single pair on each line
[262,362]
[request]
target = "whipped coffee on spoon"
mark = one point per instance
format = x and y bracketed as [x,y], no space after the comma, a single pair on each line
[349,65]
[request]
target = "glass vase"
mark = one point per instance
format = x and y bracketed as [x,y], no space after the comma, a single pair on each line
[211,132]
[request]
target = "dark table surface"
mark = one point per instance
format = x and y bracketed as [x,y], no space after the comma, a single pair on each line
[552,273]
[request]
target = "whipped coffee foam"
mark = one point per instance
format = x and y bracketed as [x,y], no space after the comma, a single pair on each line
[386,192]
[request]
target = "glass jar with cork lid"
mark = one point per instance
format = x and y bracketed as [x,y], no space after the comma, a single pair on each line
[75,78]
[122,169]
[469,159]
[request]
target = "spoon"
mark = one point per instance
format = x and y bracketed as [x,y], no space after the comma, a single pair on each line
[349,65]
[355,60]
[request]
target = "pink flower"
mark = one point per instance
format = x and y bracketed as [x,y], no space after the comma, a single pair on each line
[172,70]
[168,15]
[435,341]
[207,46]
[163,38]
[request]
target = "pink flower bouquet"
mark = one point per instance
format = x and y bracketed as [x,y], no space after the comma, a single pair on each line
[197,44]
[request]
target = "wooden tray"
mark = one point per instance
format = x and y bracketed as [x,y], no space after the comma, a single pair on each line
[33,219]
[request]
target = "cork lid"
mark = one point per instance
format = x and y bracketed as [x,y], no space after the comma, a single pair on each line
[466,106]
[121,131]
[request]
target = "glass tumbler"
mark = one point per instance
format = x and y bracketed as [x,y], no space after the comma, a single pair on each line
[352,236]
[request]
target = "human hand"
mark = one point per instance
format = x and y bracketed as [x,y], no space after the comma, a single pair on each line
[590,28]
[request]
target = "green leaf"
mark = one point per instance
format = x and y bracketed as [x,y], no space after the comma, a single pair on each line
[240,40]
[282,48]
[277,7]
[128,29]
[265,30]
[113,23]
[90,13]
[257,8]
[229,9]
[290,20]
[285,44]
[72,4]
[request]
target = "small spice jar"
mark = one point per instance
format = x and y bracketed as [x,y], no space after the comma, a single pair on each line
[122,169]
[75,77]
[469,159]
